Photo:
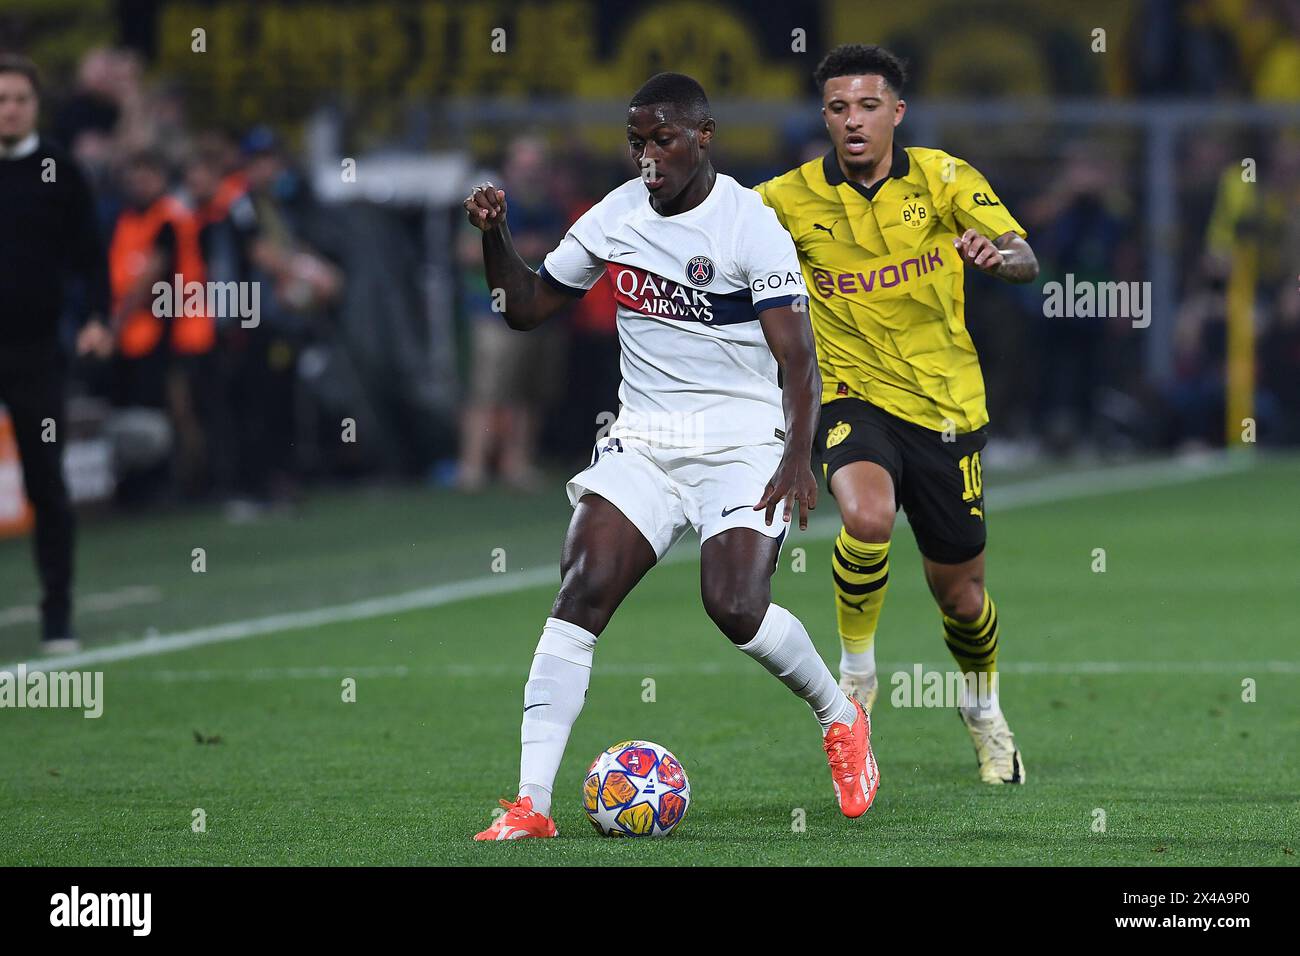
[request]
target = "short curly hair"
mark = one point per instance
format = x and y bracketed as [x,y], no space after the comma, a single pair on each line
[675,89]
[854,59]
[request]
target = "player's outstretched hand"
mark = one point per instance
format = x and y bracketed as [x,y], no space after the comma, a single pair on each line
[978,251]
[486,207]
[793,483]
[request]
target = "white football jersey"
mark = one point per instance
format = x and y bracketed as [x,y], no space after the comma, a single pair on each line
[697,371]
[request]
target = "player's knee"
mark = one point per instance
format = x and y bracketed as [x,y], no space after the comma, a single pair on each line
[964,602]
[869,523]
[737,611]
[584,597]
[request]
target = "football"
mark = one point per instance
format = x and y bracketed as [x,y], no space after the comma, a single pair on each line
[636,788]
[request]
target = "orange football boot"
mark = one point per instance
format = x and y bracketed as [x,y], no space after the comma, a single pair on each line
[853,765]
[519,822]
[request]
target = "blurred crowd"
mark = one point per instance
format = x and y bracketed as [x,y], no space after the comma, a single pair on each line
[202,404]
[1076,387]
[1244,204]
[1057,387]
[213,407]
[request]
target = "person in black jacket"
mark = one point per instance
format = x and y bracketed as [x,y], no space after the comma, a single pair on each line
[47,233]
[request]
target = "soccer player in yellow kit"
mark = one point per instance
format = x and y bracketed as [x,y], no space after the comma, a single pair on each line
[884,234]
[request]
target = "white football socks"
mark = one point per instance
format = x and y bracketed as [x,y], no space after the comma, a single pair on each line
[783,646]
[553,698]
[979,696]
[861,664]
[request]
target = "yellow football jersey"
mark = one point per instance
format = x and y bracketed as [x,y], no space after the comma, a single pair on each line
[885,283]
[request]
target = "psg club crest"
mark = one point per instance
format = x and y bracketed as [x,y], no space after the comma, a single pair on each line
[699,270]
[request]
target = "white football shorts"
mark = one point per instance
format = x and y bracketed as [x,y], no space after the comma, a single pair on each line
[663,491]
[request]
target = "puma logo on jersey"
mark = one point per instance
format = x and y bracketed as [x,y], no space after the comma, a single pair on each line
[978,513]
[829,230]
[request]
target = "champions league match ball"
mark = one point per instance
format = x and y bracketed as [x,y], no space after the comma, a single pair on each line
[636,789]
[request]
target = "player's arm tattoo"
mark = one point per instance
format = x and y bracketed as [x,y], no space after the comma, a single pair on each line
[529,301]
[1019,264]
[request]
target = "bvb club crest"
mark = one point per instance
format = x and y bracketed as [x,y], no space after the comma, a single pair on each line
[915,214]
[837,434]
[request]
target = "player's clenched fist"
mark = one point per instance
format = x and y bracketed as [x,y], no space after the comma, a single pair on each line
[978,251]
[486,206]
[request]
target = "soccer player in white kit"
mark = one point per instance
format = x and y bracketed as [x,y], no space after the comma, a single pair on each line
[711,304]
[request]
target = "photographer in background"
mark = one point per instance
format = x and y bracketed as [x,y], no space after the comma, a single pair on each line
[47,231]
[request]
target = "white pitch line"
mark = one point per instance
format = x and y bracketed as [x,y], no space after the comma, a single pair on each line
[211,675]
[703,669]
[1023,494]
[296,620]
[1245,668]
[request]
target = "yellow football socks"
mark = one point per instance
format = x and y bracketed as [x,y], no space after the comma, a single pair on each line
[860,570]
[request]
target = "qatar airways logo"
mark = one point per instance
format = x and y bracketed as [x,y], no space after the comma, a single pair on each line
[851,283]
[659,297]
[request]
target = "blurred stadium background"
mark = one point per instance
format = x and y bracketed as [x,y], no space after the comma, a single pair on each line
[1124,165]
[354,132]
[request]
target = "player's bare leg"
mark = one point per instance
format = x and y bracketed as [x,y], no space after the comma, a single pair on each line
[970,622]
[603,559]
[735,583]
[736,569]
[958,589]
[864,492]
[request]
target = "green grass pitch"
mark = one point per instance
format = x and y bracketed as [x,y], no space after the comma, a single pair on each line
[1124,688]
